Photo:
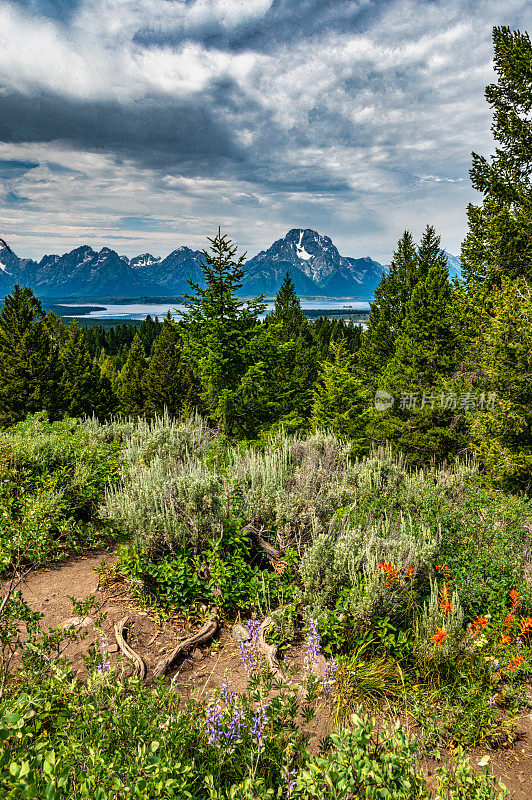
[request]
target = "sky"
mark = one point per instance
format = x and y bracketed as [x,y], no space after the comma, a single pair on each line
[143,125]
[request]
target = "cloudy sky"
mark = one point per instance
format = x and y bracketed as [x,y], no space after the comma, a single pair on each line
[144,124]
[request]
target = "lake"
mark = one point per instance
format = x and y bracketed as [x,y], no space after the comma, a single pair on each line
[141,310]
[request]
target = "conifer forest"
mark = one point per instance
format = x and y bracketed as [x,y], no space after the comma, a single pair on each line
[280,556]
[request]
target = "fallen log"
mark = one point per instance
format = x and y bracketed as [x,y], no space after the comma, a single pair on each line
[201,636]
[272,552]
[140,664]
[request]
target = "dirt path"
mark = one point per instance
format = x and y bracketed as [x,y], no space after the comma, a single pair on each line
[47,591]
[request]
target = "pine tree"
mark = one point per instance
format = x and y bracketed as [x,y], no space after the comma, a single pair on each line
[341,399]
[166,384]
[387,309]
[131,394]
[500,421]
[429,254]
[497,266]
[84,390]
[426,355]
[218,329]
[287,310]
[29,371]
[499,238]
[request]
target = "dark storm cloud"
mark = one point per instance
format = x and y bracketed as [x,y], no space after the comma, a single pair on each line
[155,132]
[356,117]
[59,10]
[284,22]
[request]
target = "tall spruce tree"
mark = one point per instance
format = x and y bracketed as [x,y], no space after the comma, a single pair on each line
[84,391]
[429,254]
[218,328]
[29,370]
[422,424]
[497,265]
[387,309]
[287,309]
[131,394]
[166,385]
[499,237]
[341,399]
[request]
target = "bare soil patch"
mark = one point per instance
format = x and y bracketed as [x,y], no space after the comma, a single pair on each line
[204,669]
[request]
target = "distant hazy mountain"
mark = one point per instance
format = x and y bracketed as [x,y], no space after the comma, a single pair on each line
[314,263]
[454,264]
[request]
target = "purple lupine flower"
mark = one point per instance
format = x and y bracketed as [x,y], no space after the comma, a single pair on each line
[227,694]
[329,676]
[313,648]
[246,655]
[105,666]
[235,727]
[289,780]
[254,630]
[519,641]
[259,722]
[494,666]
[213,723]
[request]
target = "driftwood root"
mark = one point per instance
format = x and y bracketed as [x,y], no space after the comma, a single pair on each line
[268,650]
[204,634]
[140,665]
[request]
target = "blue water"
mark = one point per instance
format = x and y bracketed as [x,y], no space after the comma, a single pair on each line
[141,310]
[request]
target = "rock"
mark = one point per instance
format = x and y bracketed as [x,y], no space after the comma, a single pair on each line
[113,648]
[239,633]
[197,655]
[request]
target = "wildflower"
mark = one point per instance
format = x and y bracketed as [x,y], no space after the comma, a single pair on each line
[526,625]
[505,640]
[313,648]
[390,573]
[235,727]
[478,626]
[444,569]
[227,695]
[246,655]
[411,571]
[329,676]
[259,722]
[495,664]
[491,701]
[445,605]
[518,641]
[509,621]
[104,667]
[440,636]
[514,597]
[213,723]
[254,629]
[289,779]
[514,663]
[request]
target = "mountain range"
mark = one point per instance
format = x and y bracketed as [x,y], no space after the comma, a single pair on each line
[312,260]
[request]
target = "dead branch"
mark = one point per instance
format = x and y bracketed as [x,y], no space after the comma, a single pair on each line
[272,552]
[140,664]
[268,650]
[205,633]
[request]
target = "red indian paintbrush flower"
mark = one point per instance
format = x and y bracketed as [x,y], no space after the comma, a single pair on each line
[477,626]
[445,605]
[440,636]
